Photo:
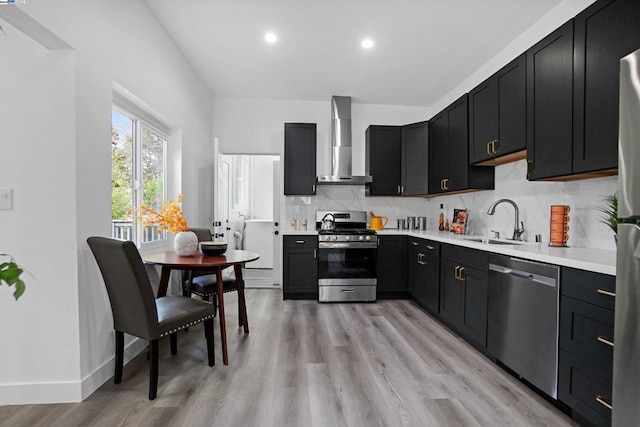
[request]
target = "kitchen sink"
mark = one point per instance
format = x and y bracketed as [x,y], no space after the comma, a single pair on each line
[491,241]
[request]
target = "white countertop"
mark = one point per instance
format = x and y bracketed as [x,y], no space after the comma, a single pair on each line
[596,260]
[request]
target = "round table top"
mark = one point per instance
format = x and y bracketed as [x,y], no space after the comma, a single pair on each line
[230,257]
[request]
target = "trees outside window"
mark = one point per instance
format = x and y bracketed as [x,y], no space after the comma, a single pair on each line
[138,165]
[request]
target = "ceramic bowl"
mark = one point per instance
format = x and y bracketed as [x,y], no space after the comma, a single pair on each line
[212,248]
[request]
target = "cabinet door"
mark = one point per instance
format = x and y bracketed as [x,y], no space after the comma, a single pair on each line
[475,303]
[413,276]
[300,159]
[483,120]
[457,174]
[300,267]
[383,160]
[451,292]
[550,105]
[512,107]
[438,155]
[392,264]
[604,32]
[431,278]
[415,155]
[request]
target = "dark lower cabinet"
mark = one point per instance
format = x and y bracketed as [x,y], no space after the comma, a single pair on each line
[392,267]
[300,267]
[585,373]
[463,295]
[300,159]
[424,273]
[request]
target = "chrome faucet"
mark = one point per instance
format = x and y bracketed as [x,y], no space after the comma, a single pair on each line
[517,229]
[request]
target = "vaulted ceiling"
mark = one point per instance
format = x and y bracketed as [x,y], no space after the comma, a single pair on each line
[422,48]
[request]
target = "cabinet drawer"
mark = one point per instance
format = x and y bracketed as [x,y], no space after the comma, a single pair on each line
[468,257]
[594,288]
[427,247]
[585,388]
[300,241]
[587,330]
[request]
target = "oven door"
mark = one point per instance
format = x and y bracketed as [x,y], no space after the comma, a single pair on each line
[346,272]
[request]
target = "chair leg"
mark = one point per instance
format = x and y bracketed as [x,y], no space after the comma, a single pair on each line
[173,339]
[208,334]
[153,370]
[117,377]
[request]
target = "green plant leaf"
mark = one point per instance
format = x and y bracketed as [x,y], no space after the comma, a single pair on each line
[20,288]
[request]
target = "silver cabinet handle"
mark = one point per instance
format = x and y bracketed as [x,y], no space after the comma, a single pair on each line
[605,292]
[398,189]
[300,242]
[430,247]
[605,341]
[315,254]
[603,402]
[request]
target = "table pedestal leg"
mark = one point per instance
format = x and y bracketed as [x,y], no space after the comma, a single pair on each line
[223,324]
[242,303]
[164,281]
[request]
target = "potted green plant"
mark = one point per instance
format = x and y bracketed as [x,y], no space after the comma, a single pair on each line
[610,214]
[10,273]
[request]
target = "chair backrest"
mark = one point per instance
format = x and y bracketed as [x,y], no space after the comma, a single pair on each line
[130,292]
[204,234]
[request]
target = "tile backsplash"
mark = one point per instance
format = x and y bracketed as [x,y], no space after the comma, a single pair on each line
[533,199]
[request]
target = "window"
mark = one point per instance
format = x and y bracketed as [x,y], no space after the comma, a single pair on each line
[138,165]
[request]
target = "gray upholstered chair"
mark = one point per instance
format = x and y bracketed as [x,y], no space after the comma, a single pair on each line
[137,312]
[205,283]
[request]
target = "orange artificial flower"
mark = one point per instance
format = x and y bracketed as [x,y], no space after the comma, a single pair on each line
[169,217]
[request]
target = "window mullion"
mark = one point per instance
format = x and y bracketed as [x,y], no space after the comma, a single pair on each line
[137,177]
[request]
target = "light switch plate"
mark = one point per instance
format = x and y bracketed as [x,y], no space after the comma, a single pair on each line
[6,198]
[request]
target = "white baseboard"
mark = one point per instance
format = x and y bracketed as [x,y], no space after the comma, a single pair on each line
[67,391]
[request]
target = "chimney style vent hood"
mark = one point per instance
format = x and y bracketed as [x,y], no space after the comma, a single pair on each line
[341,145]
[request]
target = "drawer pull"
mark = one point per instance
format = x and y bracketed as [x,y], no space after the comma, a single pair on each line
[603,402]
[414,243]
[605,341]
[300,242]
[607,293]
[430,247]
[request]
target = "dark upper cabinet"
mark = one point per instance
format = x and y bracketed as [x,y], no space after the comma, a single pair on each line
[300,159]
[392,266]
[498,116]
[396,158]
[449,168]
[415,154]
[383,160]
[604,32]
[550,105]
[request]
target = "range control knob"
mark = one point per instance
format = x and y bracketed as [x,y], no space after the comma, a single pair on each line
[347,238]
[368,237]
[335,238]
[361,237]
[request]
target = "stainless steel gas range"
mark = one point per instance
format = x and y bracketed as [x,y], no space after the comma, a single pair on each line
[347,253]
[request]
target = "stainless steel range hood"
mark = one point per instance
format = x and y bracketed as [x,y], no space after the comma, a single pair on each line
[341,145]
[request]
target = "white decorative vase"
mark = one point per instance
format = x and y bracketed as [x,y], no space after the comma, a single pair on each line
[185,243]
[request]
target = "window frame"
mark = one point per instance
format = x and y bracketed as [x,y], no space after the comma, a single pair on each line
[137,184]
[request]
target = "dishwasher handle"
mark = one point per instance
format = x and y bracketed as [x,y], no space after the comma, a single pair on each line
[543,280]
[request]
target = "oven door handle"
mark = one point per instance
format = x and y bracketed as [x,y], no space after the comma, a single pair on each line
[347,245]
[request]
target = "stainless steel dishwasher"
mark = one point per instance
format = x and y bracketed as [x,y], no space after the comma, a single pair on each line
[522,330]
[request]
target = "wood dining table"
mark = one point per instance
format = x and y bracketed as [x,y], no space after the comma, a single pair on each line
[169,260]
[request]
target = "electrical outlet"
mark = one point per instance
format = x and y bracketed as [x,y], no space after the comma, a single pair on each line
[6,198]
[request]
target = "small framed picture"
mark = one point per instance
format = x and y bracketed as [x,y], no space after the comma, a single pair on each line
[459,223]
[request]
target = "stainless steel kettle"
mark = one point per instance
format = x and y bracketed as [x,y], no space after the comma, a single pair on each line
[328,223]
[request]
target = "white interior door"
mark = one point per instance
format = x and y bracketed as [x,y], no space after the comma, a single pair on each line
[221,224]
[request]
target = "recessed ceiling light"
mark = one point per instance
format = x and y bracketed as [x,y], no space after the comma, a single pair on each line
[367,43]
[271,37]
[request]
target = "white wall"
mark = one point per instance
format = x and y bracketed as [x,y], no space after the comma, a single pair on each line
[66,196]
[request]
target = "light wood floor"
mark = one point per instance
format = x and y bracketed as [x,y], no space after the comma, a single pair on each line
[310,364]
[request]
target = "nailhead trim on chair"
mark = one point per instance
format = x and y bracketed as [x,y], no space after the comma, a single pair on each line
[195,322]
